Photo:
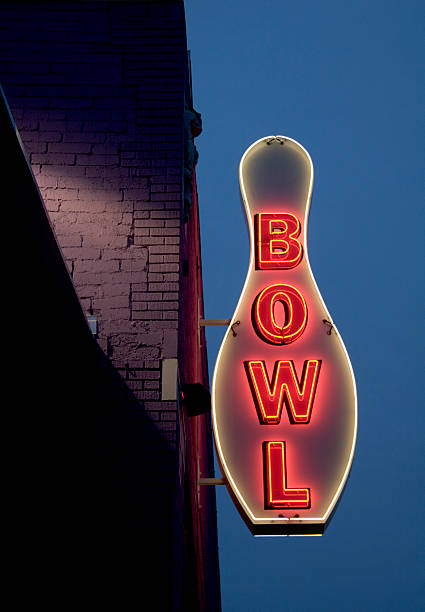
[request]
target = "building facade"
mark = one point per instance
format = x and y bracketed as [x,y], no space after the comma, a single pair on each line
[100,93]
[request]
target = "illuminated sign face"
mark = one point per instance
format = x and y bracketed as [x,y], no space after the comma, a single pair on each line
[284,395]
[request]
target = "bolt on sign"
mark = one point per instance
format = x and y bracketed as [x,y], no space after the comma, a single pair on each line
[284,395]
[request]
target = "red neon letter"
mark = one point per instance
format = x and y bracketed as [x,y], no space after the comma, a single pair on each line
[295,314]
[277,495]
[277,247]
[285,389]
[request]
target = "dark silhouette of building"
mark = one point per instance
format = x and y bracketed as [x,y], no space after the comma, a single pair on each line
[111,426]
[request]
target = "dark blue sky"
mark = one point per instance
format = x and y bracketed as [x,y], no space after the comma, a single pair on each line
[346,81]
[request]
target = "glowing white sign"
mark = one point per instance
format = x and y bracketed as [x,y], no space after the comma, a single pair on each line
[284,395]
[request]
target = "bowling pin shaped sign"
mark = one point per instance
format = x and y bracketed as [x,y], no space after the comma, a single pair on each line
[283,395]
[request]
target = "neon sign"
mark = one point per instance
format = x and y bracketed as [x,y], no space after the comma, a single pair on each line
[263,314]
[284,395]
[276,247]
[269,399]
[277,495]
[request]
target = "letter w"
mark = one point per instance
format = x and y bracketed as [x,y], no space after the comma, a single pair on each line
[285,388]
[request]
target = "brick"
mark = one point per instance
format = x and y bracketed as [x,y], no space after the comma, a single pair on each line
[47,115]
[163,179]
[147,240]
[163,306]
[97,160]
[166,426]
[120,301]
[172,205]
[147,315]
[60,126]
[36,169]
[154,276]
[47,182]
[105,220]
[98,90]
[65,195]
[110,290]
[66,219]
[109,242]
[165,197]
[143,395]
[69,147]
[166,405]
[135,267]
[90,291]
[51,205]
[85,303]
[150,206]
[105,126]
[147,223]
[159,277]
[136,194]
[171,315]
[50,136]
[169,231]
[81,253]
[134,384]
[35,147]
[72,172]
[77,205]
[151,384]
[100,195]
[33,103]
[163,267]
[96,265]
[151,364]
[53,159]
[123,357]
[68,103]
[165,214]
[115,314]
[148,374]
[146,296]
[69,240]
[105,149]
[156,250]
[84,137]
[109,171]
[134,252]
[163,286]
[139,286]
[139,214]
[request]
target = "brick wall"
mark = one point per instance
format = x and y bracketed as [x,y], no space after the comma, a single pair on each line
[97,90]
[99,109]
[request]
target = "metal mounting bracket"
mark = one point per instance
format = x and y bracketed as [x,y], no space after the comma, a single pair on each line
[212,481]
[205,322]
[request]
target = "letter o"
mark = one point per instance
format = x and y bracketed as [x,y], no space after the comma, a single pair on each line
[295,314]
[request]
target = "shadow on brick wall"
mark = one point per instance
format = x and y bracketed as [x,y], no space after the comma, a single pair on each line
[93,488]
